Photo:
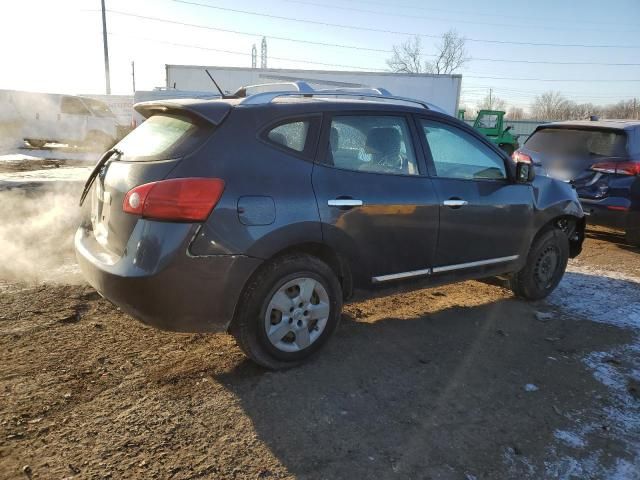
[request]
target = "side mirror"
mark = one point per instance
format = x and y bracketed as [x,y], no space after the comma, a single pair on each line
[508,128]
[525,173]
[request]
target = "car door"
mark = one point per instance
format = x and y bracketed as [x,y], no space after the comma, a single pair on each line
[375,202]
[485,217]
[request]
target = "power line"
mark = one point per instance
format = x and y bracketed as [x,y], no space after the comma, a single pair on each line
[473,22]
[239,32]
[371,29]
[551,79]
[352,47]
[236,52]
[458,12]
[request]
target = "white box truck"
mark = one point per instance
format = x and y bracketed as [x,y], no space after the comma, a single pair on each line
[57,118]
[440,90]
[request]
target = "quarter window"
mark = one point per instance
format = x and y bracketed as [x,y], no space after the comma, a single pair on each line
[456,154]
[369,143]
[292,135]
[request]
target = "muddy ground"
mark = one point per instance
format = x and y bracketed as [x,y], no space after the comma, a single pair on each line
[458,382]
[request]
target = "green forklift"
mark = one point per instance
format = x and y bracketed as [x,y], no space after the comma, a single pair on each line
[491,123]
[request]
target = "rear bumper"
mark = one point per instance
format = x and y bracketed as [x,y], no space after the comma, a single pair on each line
[612,212]
[160,284]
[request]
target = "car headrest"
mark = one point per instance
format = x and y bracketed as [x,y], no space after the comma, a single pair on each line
[384,140]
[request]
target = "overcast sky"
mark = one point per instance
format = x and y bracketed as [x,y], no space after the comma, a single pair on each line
[56,46]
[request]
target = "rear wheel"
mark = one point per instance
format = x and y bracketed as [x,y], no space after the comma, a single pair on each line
[546,264]
[288,311]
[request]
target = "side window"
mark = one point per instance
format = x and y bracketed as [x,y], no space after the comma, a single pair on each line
[73,106]
[371,143]
[292,135]
[456,154]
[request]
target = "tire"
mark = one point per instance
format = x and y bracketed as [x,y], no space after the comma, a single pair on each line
[633,237]
[546,264]
[272,336]
[36,143]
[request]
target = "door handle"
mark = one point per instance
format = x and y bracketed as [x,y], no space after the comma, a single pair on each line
[344,202]
[455,203]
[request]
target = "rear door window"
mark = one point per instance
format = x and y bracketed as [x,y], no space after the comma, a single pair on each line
[371,143]
[162,137]
[576,142]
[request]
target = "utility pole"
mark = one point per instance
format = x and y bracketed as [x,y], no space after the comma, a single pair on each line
[107,75]
[133,75]
[263,53]
[254,56]
[491,99]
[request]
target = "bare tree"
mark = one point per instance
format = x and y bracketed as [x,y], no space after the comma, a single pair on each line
[550,106]
[407,57]
[451,55]
[491,102]
[516,113]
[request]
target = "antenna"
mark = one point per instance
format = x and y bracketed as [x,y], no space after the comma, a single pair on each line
[215,83]
[254,56]
[263,53]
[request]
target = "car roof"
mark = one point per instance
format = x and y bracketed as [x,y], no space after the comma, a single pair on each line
[214,110]
[606,123]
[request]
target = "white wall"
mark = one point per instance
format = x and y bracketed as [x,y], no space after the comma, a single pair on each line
[441,90]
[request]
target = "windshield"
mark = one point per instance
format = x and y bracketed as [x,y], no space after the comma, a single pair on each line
[99,109]
[159,136]
[566,141]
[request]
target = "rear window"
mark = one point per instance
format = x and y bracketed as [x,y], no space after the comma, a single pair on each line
[601,143]
[161,137]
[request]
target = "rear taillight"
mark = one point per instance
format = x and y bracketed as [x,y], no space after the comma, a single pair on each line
[178,199]
[620,168]
[521,157]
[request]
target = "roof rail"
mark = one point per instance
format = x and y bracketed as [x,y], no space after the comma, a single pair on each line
[303,89]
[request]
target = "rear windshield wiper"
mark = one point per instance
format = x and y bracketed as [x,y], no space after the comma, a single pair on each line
[94,173]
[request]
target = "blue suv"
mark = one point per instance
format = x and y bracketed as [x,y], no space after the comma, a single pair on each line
[602,160]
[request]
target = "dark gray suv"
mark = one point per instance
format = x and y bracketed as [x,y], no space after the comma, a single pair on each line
[259,215]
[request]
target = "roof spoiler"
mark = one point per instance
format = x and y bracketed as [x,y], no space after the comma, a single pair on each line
[210,112]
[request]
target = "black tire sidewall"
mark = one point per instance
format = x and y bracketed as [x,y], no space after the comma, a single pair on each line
[527,285]
[267,283]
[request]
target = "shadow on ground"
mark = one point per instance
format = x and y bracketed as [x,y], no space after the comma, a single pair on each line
[440,396]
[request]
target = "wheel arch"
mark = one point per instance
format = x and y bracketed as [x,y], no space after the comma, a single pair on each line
[337,262]
[571,225]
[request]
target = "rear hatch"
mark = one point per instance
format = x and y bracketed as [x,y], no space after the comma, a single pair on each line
[567,153]
[170,135]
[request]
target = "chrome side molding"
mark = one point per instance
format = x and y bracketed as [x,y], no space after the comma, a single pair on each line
[479,263]
[446,268]
[398,276]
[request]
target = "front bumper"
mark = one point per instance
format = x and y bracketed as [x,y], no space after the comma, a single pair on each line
[160,284]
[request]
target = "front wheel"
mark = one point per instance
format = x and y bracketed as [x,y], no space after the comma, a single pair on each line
[546,264]
[288,311]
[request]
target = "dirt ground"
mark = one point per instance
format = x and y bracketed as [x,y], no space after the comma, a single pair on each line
[457,382]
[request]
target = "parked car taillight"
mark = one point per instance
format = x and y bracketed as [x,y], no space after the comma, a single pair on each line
[621,168]
[518,156]
[178,199]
